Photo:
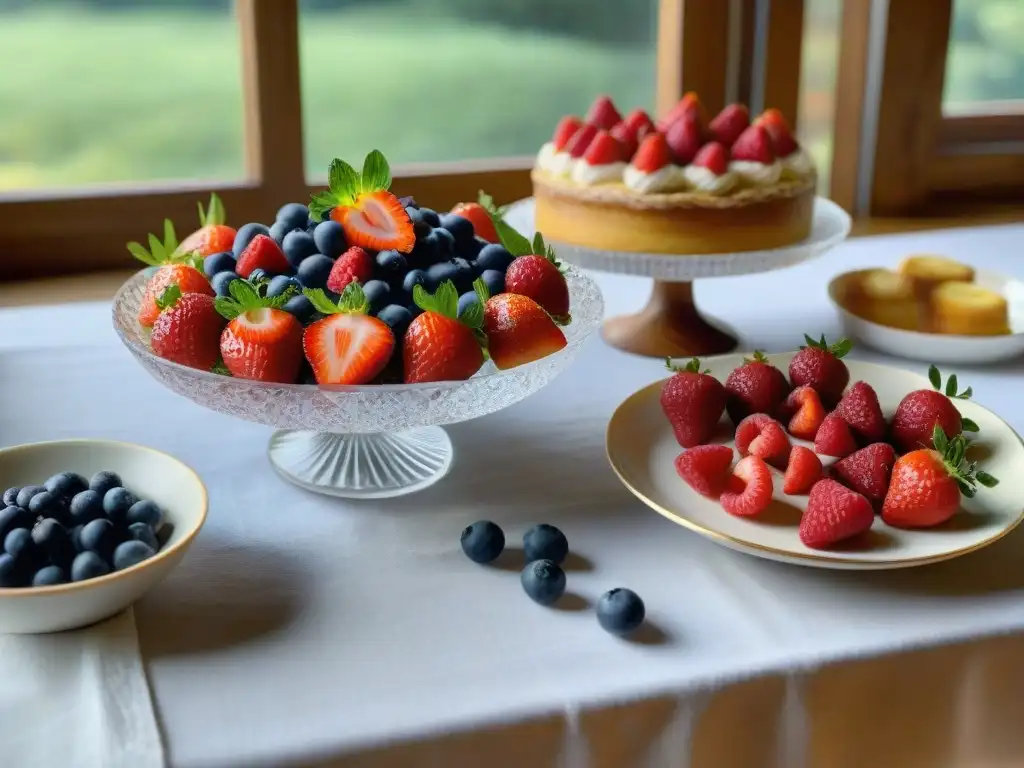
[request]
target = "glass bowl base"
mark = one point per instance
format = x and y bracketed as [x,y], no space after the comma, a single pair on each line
[362,466]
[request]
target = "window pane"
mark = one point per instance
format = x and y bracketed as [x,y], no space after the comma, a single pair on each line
[986,57]
[443,80]
[818,83]
[118,91]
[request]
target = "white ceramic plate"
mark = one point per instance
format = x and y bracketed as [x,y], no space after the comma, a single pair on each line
[941,348]
[145,471]
[642,451]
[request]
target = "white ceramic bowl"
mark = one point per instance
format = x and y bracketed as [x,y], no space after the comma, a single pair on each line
[937,347]
[145,471]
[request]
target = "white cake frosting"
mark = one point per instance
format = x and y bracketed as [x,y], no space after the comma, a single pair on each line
[708,181]
[757,174]
[554,161]
[586,175]
[665,179]
[798,163]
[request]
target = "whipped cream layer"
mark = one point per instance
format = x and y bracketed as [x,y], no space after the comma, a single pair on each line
[587,175]
[706,180]
[757,174]
[667,179]
[798,164]
[554,161]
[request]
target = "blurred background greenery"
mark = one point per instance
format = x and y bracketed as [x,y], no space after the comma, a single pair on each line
[99,91]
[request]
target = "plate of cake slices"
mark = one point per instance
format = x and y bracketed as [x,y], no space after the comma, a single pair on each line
[812,460]
[933,308]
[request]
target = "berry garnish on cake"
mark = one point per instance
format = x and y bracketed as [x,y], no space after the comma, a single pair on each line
[753,158]
[604,161]
[709,172]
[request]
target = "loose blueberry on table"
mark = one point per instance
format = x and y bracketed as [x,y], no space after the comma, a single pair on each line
[620,611]
[543,581]
[545,542]
[482,541]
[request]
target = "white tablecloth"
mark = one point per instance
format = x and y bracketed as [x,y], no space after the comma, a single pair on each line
[302,630]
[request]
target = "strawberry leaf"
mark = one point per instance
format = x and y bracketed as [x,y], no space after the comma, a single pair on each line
[966,488]
[444,301]
[967,425]
[321,303]
[481,291]
[951,386]
[966,394]
[487,203]
[985,479]
[170,239]
[376,173]
[220,368]
[842,348]
[935,377]
[159,253]
[538,243]
[473,316]
[139,252]
[940,440]
[214,212]
[169,297]
[246,295]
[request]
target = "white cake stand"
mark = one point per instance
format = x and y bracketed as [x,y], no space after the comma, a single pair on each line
[671,324]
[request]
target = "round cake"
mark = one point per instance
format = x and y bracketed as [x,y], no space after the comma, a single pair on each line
[682,186]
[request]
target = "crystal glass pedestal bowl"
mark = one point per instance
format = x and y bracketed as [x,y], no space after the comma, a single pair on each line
[371,441]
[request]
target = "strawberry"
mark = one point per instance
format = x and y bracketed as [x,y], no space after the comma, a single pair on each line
[834,438]
[757,386]
[729,124]
[261,341]
[754,145]
[639,124]
[603,113]
[918,413]
[749,489]
[213,235]
[926,485]
[778,131]
[518,329]
[867,471]
[347,346]
[564,131]
[762,436]
[688,105]
[693,402]
[714,157]
[705,468]
[820,366]
[477,215]
[188,329]
[580,140]
[834,514]
[604,150]
[860,409]
[808,412]
[685,137]
[536,273]
[802,471]
[354,265]
[372,217]
[262,253]
[624,136]
[653,153]
[439,345]
[173,267]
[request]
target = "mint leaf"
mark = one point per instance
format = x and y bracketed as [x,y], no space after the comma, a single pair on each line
[320,301]
[514,242]
[376,172]
[320,203]
[343,181]
[226,307]
[444,301]
[352,300]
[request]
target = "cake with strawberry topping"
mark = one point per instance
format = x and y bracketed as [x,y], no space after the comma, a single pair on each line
[681,185]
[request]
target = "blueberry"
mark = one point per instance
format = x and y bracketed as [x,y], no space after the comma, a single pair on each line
[471,248]
[278,285]
[409,202]
[543,581]
[420,228]
[142,532]
[11,574]
[482,541]
[116,503]
[216,263]
[494,280]
[221,281]
[329,238]
[14,517]
[280,229]
[85,507]
[88,565]
[131,553]
[424,252]
[461,229]
[297,246]
[66,484]
[494,257]
[75,534]
[49,576]
[413,278]
[314,271]
[47,504]
[25,494]
[147,512]
[397,318]
[99,537]
[53,540]
[391,263]
[245,235]
[445,243]
[441,272]
[23,549]
[466,300]
[464,274]
[430,216]
[103,481]
[300,307]
[10,497]
[294,215]
[259,275]
[415,218]
[545,542]
[620,611]
[377,293]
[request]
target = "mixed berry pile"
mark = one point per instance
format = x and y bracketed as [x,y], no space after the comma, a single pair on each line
[357,287]
[912,468]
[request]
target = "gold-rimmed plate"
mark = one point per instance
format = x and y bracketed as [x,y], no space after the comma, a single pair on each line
[642,450]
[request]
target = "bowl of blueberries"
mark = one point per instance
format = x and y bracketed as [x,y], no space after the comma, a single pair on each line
[87,527]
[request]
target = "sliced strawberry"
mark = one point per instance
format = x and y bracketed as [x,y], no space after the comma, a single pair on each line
[518,329]
[867,471]
[262,253]
[834,514]
[834,438]
[355,264]
[762,436]
[580,140]
[714,157]
[729,124]
[639,124]
[604,150]
[705,468]
[188,329]
[376,221]
[802,472]
[622,134]
[688,105]
[565,130]
[347,346]
[261,341]
[653,154]
[860,409]
[808,413]
[749,489]
[754,145]
[779,131]
[603,113]
[685,137]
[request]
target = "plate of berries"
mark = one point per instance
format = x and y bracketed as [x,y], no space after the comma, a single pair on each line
[357,325]
[810,459]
